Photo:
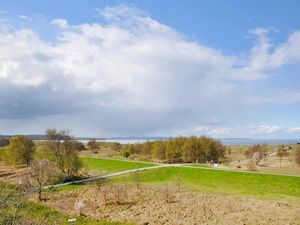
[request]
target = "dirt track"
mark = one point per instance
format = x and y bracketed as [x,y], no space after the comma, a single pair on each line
[149,205]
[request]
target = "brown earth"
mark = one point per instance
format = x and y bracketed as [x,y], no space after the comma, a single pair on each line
[170,205]
[10,173]
[271,164]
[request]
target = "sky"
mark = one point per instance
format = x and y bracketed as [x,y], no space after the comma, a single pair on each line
[151,68]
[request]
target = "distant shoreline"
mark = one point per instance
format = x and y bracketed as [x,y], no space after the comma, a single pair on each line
[132,140]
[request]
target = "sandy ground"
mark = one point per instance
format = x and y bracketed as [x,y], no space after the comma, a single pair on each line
[170,205]
[271,164]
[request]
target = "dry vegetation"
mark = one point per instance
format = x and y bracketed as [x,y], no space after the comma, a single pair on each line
[168,205]
[276,161]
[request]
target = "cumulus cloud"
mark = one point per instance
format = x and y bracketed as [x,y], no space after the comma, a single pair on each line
[268,129]
[22,17]
[129,76]
[293,130]
[220,131]
[60,23]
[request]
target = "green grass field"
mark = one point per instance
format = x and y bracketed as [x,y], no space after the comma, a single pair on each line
[211,181]
[224,182]
[111,165]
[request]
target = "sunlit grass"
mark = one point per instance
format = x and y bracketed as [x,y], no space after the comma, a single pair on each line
[111,165]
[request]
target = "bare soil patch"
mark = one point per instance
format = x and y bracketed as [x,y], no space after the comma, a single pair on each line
[271,164]
[10,173]
[170,205]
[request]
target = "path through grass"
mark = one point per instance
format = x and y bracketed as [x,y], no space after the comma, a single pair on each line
[224,182]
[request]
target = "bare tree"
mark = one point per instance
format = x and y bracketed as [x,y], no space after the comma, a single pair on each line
[137,179]
[92,145]
[178,182]
[251,165]
[256,153]
[61,148]
[120,192]
[228,150]
[101,182]
[38,175]
[281,152]
[104,187]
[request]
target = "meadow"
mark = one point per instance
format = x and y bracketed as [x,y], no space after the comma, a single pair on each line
[112,165]
[202,179]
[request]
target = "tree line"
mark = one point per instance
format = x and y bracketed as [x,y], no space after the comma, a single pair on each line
[181,149]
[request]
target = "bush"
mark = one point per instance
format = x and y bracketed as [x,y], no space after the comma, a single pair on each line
[251,165]
[20,150]
[126,154]
[3,142]
[92,145]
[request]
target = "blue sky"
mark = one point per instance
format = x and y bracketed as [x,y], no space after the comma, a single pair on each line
[143,68]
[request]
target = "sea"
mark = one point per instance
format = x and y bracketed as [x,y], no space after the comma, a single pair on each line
[225,141]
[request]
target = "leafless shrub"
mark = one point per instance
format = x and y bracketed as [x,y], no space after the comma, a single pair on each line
[101,182]
[178,182]
[256,153]
[168,194]
[137,178]
[92,145]
[251,165]
[105,192]
[104,188]
[120,192]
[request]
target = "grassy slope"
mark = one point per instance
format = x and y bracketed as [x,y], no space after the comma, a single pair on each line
[214,181]
[225,182]
[110,165]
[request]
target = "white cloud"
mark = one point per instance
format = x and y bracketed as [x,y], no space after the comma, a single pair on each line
[293,130]
[220,131]
[132,75]
[267,129]
[62,23]
[265,57]
[22,17]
